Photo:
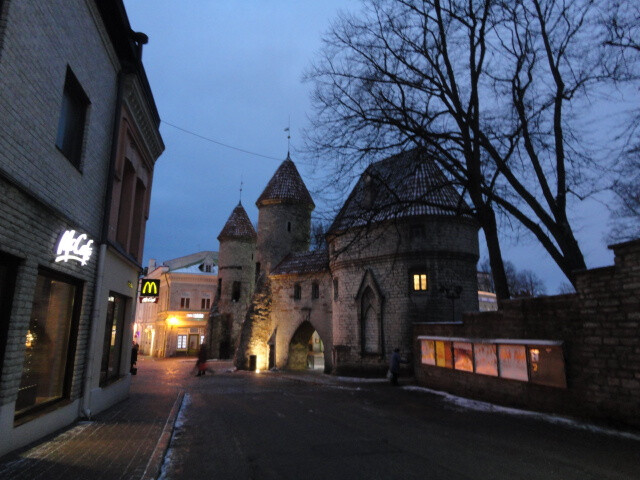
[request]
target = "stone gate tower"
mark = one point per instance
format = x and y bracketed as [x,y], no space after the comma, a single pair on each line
[236,278]
[284,218]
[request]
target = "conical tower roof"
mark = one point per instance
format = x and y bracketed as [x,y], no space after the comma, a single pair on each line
[238,226]
[285,186]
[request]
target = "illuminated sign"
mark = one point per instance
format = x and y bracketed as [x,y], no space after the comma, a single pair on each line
[195,315]
[74,248]
[148,299]
[150,288]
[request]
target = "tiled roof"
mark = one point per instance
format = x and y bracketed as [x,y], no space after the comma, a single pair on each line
[404,185]
[238,225]
[303,262]
[286,185]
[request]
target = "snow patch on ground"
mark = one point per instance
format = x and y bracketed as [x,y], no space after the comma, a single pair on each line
[477,405]
[177,427]
[361,380]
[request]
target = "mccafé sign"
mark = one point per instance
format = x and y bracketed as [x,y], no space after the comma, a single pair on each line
[74,247]
[149,290]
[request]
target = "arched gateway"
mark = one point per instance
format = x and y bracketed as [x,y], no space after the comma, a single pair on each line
[306,349]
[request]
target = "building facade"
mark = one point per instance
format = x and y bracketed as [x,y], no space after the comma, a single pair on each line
[402,249]
[176,324]
[71,78]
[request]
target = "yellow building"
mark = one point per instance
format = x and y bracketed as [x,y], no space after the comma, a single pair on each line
[174,322]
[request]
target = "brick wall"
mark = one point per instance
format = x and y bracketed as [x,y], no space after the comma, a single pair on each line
[599,328]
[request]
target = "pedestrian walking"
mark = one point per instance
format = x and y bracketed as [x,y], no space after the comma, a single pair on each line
[201,363]
[134,358]
[394,366]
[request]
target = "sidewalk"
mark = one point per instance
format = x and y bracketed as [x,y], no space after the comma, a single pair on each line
[127,441]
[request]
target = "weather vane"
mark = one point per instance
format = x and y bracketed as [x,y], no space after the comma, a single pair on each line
[288,130]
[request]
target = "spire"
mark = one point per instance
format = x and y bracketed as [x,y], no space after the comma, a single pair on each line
[286,186]
[238,226]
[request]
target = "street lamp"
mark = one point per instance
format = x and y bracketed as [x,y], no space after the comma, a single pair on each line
[452,292]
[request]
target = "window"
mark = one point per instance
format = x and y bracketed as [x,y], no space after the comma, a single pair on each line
[72,119]
[369,322]
[235,292]
[335,289]
[112,345]
[182,342]
[184,302]
[219,291]
[288,226]
[315,291]
[419,281]
[50,341]
[8,272]
[297,292]
[205,304]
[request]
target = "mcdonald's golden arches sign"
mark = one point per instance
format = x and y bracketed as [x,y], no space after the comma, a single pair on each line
[149,289]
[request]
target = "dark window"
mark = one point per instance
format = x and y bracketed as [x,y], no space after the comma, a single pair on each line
[235,293]
[112,346]
[8,272]
[335,289]
[315,291]
[297,292]
[257,270]
[418,280]
[72,119]
[205,304]
[219,287]
[288,226]
[369,322]
[50,342]
[185,302]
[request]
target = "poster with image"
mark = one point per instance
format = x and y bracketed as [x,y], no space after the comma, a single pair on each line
[428,352]
[463,356]
[486,359]
[513,362]
[443,354]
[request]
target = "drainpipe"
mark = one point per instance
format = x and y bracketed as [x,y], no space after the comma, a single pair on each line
[85,408]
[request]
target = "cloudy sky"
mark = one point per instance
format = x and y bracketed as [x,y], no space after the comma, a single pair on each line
[230,71]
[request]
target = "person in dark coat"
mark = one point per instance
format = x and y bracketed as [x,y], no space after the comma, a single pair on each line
[394,366]
[201,363]
[134,354]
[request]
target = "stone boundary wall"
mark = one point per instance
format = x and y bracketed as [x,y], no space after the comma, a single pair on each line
[600,328]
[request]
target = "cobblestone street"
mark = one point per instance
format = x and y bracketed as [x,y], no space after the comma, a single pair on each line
[242,425]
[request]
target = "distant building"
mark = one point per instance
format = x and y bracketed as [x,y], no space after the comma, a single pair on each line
[78,142]
[176,324]
[403,249]
[487,300]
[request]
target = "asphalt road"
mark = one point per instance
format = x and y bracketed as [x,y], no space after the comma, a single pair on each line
[243,425]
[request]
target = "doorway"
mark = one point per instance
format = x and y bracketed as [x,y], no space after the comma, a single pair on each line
[306,349]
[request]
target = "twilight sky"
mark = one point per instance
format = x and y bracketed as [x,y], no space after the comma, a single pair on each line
[230,70]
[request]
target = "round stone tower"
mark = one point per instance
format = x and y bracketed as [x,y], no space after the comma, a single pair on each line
[284,218]
[236,279]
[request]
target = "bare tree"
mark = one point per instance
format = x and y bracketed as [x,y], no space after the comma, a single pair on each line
[492,88]
[522,283]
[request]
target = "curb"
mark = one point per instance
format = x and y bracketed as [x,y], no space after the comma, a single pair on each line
[152,471]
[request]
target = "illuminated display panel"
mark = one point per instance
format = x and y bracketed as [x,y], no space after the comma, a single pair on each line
[428,352]
[546,365]
[463,356]
[486,359]
[513,362]
[444,358]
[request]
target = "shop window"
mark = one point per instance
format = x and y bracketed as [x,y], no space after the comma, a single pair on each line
[113,336]
[8,272]
[235,292]
[185,302]
[418,280]
[205,304]
[315,291]
[297,292]
[50,342]
[182,342]
[335,289]
[71,124]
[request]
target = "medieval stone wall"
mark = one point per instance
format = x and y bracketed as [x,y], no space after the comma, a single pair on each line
[289,314]
[282,228]
[445,248]
[599,328]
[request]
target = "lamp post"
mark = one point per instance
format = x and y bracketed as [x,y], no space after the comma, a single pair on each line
[452,292]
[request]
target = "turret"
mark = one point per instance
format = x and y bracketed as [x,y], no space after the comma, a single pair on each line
[284,218]
[236,275]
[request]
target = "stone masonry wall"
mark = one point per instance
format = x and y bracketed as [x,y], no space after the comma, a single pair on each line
[599,328]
